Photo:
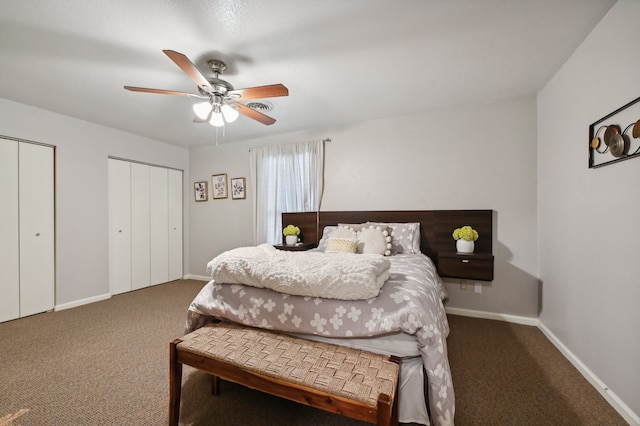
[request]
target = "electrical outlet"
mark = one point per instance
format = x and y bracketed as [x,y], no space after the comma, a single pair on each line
[463,285]
[477,287]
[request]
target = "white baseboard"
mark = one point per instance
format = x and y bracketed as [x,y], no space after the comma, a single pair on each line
[106,296]
[81,302]
[197,277]
[623,409]
[491,315]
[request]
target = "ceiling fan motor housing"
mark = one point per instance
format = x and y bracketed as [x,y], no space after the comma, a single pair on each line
[220,87]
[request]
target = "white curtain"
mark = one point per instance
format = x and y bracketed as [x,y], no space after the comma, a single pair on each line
[285,178]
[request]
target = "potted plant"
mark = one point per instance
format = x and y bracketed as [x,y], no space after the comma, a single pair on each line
[291,233]
[465,237]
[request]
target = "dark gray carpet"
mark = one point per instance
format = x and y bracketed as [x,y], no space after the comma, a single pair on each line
[107,364]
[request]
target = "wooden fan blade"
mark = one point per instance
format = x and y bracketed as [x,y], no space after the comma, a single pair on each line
[256,115]
[187,66]
[164,92]
[270,91]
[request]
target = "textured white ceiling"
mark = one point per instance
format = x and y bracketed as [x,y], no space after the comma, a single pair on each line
[342,60]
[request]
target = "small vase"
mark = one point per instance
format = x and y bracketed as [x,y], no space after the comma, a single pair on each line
[291,240]
[464,246]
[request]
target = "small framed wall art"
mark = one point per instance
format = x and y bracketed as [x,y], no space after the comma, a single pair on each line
[200,190]
[219,186]
[238,189]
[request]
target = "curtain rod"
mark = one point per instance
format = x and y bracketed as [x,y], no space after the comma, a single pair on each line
[323,140]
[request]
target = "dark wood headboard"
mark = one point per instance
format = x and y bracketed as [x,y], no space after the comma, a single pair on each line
[436,226]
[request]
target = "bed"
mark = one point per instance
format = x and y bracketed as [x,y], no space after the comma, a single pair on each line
[406,318]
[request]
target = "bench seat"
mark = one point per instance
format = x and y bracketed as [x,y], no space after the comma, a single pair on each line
[350,382]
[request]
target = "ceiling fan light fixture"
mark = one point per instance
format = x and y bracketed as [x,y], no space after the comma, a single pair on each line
[202,109]
[229,113]
[216,117]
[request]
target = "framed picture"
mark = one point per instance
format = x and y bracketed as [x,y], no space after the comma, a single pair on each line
[200,189]
[615,137]
[238,189]
[219,186]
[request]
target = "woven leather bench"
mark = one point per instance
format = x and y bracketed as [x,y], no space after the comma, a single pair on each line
[350,382]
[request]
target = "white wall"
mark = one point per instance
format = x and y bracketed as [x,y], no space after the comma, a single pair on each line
[221,224]
[82,149]
[469,157]
[589,219]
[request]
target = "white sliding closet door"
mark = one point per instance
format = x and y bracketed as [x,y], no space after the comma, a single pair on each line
[140,225]
[145,225]
[36,203]
[175,224]
[9,232]
[159,220]
[119,226]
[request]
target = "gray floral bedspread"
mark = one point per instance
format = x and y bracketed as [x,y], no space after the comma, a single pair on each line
[410,301]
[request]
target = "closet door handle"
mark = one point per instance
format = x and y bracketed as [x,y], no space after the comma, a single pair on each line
[37,234]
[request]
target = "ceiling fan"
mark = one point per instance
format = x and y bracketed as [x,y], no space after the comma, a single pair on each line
[220,104]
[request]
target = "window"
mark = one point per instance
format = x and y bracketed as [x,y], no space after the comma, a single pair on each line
[286,178]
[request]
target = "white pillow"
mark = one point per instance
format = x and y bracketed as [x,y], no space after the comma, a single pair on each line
[374,240]
[344,232]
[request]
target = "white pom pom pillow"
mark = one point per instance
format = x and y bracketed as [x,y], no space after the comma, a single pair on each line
[374,239]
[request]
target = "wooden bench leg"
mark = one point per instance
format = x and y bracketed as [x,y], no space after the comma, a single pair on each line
[215,385]
[394,412]
[175,383]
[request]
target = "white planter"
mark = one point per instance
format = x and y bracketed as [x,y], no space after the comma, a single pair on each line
[464,246]
[290,240]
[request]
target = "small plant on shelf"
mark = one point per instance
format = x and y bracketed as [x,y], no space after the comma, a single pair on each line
[465,238]
[465,233]
[291,230]
[291,233]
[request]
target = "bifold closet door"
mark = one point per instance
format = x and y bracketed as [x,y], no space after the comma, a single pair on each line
[175,224]
[145,225]
[9,232]
[119,226]
[159,221]
[140,226]
[36,204]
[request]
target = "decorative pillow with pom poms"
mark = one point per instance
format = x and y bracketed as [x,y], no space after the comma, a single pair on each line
[374,240]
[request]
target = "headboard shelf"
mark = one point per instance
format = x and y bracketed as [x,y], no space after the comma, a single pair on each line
[436,226]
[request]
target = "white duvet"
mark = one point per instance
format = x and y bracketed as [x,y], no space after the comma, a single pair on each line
[343,276]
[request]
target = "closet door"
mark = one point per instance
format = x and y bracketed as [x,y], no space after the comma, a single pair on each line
[9,233]
[159,220]
[119,226]
[36,192]
[175,224]
[140,223]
